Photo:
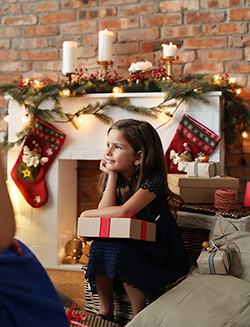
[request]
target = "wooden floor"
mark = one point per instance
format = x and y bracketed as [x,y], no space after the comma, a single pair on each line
[70,282]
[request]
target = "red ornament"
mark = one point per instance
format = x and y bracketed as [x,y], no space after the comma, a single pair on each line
[205,245]
[205,158]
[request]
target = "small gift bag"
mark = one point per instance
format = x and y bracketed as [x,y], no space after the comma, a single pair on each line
[215,260]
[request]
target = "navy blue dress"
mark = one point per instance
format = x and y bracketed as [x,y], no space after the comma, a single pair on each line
[145,265]
[27,296]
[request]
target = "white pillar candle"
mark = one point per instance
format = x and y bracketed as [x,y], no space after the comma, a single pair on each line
[169,50]
[105,45]
[69,63]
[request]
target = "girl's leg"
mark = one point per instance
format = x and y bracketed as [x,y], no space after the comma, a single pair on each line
[137,298]
[104,287]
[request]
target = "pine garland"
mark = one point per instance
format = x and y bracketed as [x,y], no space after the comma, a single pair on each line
[32,94]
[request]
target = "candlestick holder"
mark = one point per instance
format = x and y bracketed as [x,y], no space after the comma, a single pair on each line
[169,61]
[69,76]
[104,65]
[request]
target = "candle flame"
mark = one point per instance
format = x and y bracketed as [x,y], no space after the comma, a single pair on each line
[170,44]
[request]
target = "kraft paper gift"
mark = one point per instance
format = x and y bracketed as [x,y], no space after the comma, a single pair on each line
[126,227]
[203,169]
[216,262]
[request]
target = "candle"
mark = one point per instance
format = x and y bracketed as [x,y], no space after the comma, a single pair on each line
[169,50]
[69,63]
[105,45]
[247,196]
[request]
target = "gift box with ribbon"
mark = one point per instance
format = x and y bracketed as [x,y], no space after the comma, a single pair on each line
[215,260]
[125,227]
[203,169]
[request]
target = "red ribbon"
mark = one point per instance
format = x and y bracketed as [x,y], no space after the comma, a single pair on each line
[105,227]
[143,230]
[79,316]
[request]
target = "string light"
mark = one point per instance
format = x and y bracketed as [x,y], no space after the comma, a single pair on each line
[238,91]
[244,134]
[116,89]
[25,119]
[232,79]
[7,117]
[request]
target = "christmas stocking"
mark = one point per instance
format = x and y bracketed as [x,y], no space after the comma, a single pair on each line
[38,152]
[191,140]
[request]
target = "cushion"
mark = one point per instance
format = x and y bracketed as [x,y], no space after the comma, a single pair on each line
[200,300]
[223,230]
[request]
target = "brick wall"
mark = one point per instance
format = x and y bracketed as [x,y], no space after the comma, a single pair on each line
[212,37]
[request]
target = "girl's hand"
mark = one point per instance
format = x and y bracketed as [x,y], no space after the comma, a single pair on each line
[103,167]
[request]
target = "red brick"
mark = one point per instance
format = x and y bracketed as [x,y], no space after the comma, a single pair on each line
[117,2]
[74,4]
[125,61]
[211,54]
[87,52]
[118,24]
[234,160]
[148,57]
[19,20]
[239,41]
[138,35]
[4,43]
[56,18]
[179,5]
[247,54]
[9,55]
[40,54]
[242,173]
[127,48]
[181,31]
[50,65]
[162,20]
[57,42]
[89,63]
[88,184]
[29,43]
[40,31]
[36,7]
[206,42]
[89,173]
[205,17]
[138,10]
[78,28]
[96,13]
[227,29]
[238,67]
[146,46]
[11,32]
[239,14]
[15,66]
[218,4]
[90,39]
[9,77]
[184,57]
[204,68]
[88,164]
[11,9]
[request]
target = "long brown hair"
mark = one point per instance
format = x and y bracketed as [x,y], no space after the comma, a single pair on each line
[143,137]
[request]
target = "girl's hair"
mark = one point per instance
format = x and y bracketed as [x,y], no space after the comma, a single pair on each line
[143,137]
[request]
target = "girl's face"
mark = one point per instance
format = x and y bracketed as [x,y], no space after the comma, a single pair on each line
[119,155]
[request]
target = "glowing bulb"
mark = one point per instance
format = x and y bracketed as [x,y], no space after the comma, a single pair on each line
[244,134]
[80,120]
[232,79]
[117,89]
[6,118]
[238,91]
[25,119]
[36,81]
[195,90]
[66,92]
[216,77]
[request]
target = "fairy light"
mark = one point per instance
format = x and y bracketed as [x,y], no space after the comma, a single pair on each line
[244,134]
[25,119]
[216,77]
[80,120]
[232,79]
[116,90]
[6,117]
[238,91]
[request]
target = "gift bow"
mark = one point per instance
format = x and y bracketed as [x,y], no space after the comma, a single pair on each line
[214,249]
[105,227]
[79,316]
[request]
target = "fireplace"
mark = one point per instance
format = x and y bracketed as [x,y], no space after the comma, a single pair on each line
[47,229]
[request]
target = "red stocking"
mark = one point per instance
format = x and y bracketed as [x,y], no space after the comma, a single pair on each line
[192,135]
[38,152]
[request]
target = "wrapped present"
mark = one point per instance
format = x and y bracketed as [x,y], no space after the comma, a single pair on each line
[200,189]
[126,227]
[203,169]
[214,261]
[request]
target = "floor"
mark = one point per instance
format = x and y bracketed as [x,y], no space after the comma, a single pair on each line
[70,282]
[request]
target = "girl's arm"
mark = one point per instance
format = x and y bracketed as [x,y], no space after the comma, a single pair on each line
[132,206]
[109,196]
[7,220]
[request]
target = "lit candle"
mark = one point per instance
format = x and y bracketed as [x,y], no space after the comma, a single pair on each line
[105,45]
[69,63]
[169,50]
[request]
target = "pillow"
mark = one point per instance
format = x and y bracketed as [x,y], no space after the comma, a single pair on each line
[199,300]
[221,226]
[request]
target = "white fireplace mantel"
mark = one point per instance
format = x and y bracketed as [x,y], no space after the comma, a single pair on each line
[47,229]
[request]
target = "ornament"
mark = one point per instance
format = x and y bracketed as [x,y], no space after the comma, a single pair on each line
[187,154]
[205,158]
[205,245]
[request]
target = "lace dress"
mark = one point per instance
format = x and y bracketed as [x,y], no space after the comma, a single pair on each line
[145,265]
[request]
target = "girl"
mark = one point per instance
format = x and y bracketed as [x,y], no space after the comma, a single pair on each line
[27,296]
[135,184]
